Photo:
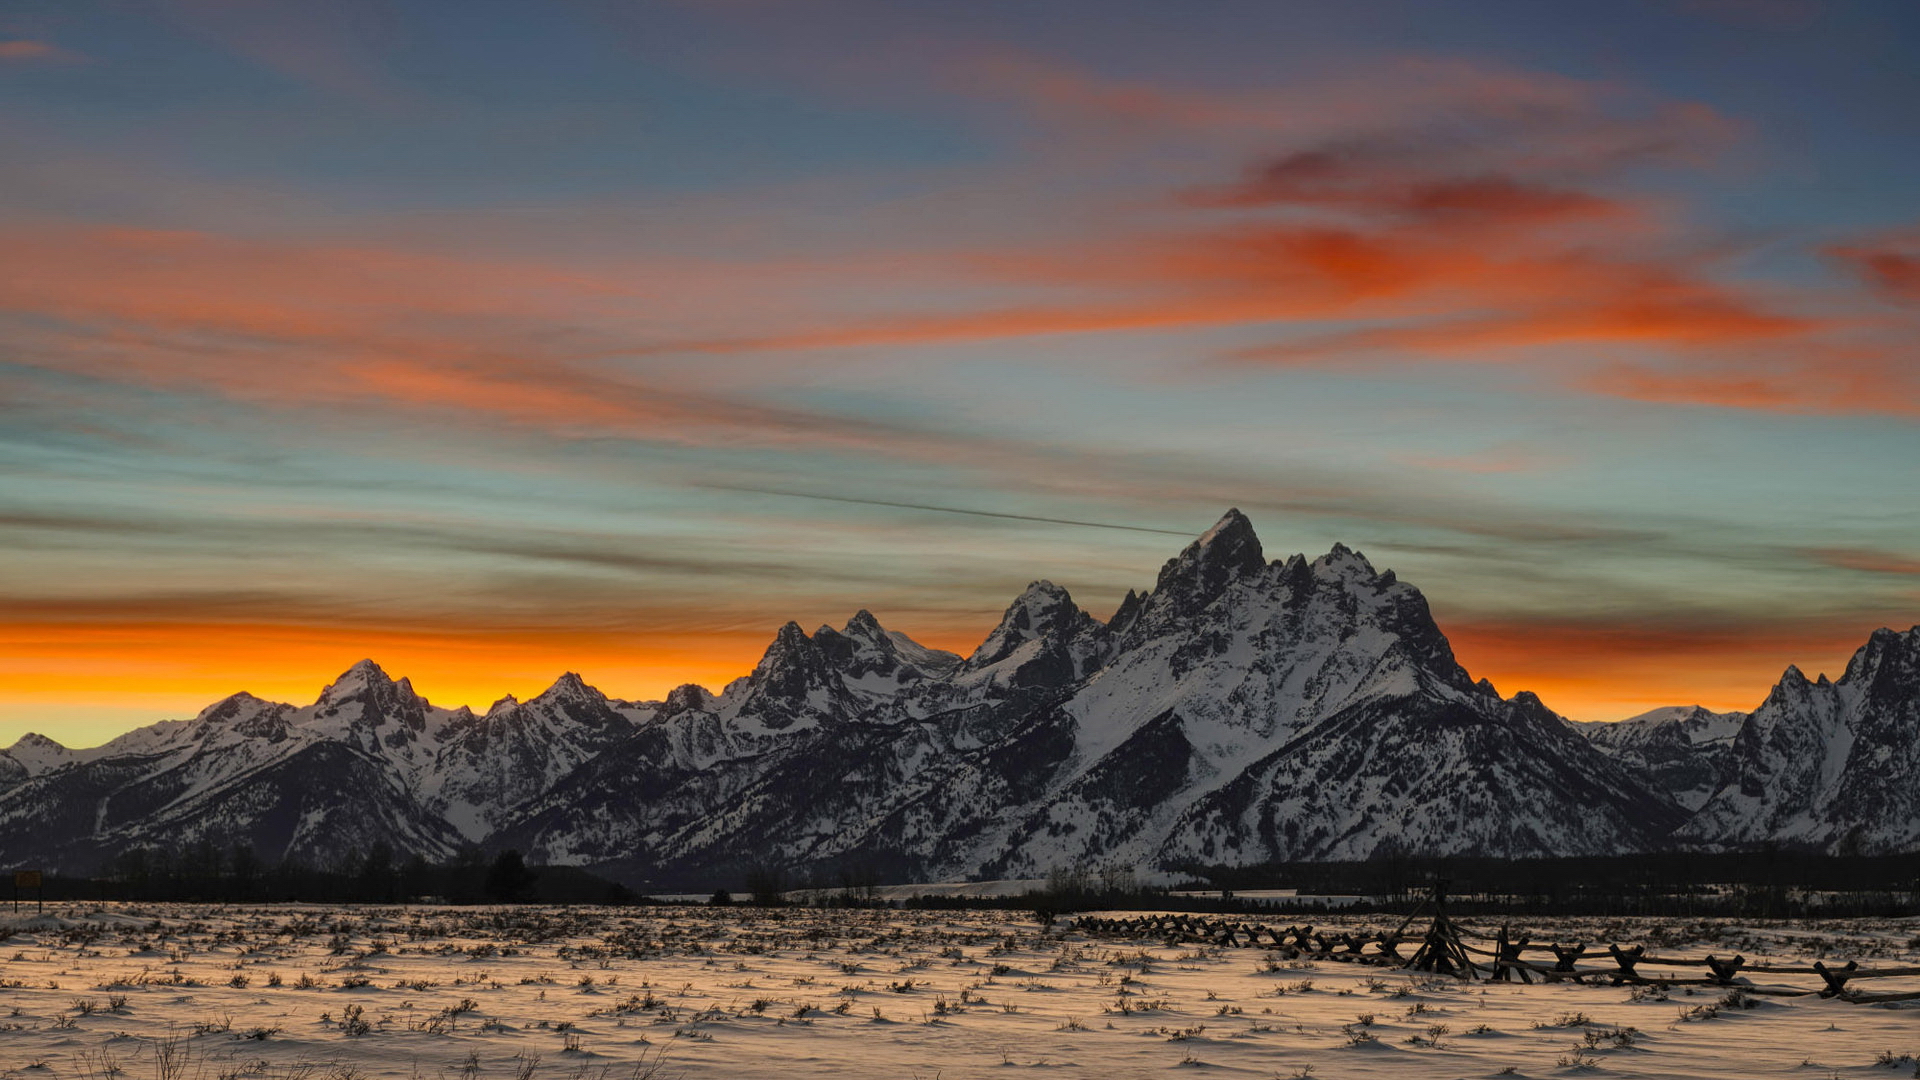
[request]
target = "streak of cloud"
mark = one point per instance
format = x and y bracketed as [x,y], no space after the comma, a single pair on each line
[27,49]
[851,500]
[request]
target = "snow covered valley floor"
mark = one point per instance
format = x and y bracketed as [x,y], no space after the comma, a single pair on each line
[284,992]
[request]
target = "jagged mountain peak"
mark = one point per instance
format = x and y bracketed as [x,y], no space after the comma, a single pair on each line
[363,677]
[570,687]
[687,697]
[864,625]
[1233,527]
[1042,639]
[792,648]
[1042,610]
[1241,711]
[1343,563]
[1038,609]
[795,678]
[1830,763]
[874,658]
[1885,648]
[1043,593]
[1223,554]
[365,698]
[861,632]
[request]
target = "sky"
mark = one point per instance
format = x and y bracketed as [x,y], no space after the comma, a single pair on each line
[495,340]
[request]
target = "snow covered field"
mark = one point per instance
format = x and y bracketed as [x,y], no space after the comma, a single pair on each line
[185,992]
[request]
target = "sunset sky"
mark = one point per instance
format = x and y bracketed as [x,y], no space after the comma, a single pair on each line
[496,340]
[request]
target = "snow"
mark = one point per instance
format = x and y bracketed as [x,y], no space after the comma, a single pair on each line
[1699,724]
[1828,763]
[386,993]
[1241,710]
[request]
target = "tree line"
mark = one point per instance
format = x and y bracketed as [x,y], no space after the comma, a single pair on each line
[235,873]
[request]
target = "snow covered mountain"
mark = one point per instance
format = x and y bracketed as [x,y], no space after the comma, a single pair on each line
[1687,750]
[369,761]
[1234,694]
[1241,710]
[1832,765]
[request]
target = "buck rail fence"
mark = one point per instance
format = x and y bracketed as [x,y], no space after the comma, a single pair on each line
[1448,948]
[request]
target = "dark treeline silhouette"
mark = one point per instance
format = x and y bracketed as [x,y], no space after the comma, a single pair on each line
[207,871]
[1741,883]
[1747,885]
[1760,884]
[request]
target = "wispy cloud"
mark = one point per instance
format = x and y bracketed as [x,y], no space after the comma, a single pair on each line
[1506,228]
[29,49]
[1888,261]
[334,48]
[1867,560]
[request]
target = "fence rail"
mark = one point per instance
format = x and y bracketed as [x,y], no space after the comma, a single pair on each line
[1444,948]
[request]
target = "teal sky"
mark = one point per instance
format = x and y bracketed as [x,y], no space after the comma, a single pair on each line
[494,340]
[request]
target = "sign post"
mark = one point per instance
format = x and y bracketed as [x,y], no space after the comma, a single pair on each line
[29,879]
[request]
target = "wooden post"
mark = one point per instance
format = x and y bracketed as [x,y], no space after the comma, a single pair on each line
[1566,955]
[1507,960]
[1442,952]
[1724,970]
[1836,978]
[1627,958]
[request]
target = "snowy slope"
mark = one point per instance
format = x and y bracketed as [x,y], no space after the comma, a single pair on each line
[1687,750]
[370,760]
[1833,765]
[1064,740]
[1241,710]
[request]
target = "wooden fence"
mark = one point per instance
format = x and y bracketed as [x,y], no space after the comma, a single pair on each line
[1445,947]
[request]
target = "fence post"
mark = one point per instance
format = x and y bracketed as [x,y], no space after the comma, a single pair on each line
[1442,952]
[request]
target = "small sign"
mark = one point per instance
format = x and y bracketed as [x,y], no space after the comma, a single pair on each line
[26,879]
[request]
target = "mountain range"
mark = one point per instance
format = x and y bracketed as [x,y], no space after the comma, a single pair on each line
[1241,711]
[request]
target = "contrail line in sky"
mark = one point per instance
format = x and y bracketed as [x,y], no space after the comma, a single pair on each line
[947,509]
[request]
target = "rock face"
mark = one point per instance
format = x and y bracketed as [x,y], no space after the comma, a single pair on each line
[1240,711]
[1686,750]
[1828,765]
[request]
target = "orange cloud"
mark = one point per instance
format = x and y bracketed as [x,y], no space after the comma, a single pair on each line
[325,325]
[26,49]
[1502,232]
[1890,262]
[1073,95]
[1867,560]
[1823,379]
[1462,214]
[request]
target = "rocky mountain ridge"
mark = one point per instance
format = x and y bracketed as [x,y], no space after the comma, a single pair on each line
[1240,711]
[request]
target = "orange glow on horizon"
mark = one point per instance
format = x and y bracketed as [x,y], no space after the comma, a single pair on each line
[1611,673]
[168,663]
[176,669]
[142,672]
